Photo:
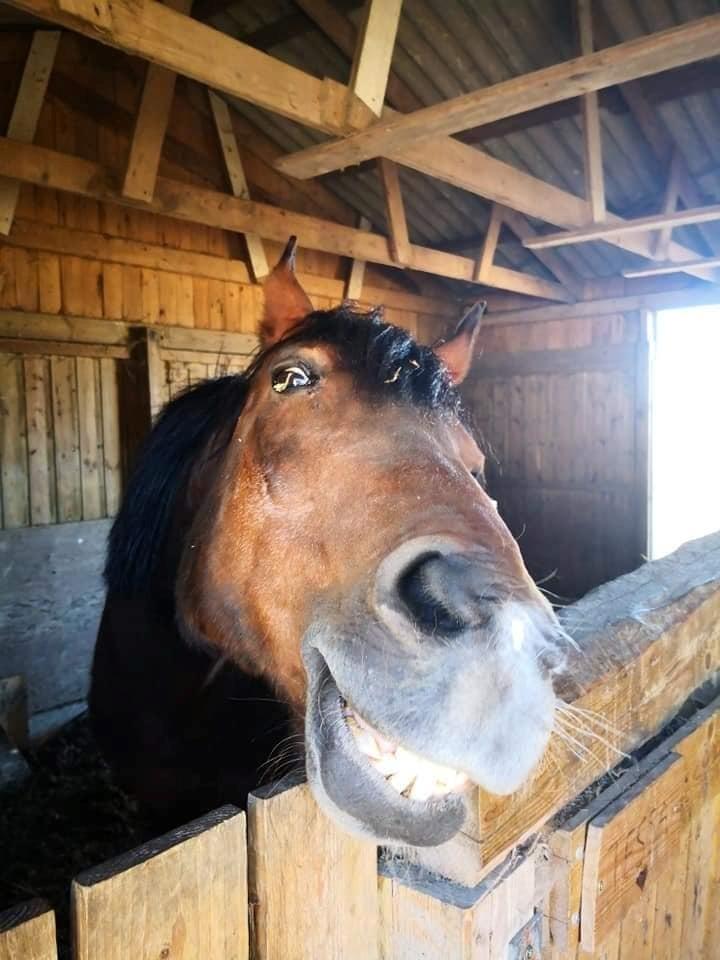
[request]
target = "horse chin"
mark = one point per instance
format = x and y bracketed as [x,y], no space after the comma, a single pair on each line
[370,786]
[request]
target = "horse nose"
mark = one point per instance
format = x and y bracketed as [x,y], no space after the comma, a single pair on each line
[443,592]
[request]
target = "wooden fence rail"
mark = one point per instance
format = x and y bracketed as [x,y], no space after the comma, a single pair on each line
[626,870]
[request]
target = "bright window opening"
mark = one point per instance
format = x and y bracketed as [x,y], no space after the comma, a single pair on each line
[685,427]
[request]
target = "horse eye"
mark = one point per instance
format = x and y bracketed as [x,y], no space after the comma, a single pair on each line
[291,378]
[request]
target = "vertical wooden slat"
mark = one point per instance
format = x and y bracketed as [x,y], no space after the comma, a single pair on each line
[182,895]
[112,291]
[27,932]
[315,898]
[67,439]
[13,443]
[49,285]
[89,416]
[41,451]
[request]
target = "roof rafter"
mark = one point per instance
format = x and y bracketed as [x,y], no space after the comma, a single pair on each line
[590,72]
[607,231]
[153,31]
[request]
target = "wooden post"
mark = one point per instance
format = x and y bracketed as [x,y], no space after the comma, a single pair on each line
[26,112]
[181,895]
[312,885]
[238,182]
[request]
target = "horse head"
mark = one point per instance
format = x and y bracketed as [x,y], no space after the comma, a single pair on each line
[346,550]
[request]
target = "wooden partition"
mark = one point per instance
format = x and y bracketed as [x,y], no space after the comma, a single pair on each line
[628,869]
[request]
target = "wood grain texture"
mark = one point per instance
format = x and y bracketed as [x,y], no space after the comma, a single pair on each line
[316,898]
[182,201]
[593,71]
[193,889]
[27,932]
[26,111]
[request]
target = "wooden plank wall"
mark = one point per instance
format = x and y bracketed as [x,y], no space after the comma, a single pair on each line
[560,408]
[59,439]
[70,255]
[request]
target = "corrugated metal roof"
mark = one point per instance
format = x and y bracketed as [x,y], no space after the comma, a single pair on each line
[448,47]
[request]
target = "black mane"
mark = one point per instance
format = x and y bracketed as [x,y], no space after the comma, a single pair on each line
[386,362]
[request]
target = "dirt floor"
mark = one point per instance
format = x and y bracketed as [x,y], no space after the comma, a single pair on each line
[68,816]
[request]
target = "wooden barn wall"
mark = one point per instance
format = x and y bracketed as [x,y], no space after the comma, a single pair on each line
[74,256]
[561,408]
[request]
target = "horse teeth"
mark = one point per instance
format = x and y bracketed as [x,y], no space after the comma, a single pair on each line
[366,743]
[386,765]
[403,769]
[401,780]
[423,788]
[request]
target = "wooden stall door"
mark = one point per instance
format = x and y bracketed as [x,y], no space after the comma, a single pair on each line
[59,438]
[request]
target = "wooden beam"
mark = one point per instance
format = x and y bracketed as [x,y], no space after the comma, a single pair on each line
[395,208]
[157,33]
[657,269]
[48,168]
[626,61]
[672,194]
[338,28]
[211,57]
[492,235]
[150,125]
[353,286]
[238,182]
[26,111]
[679,218]
[522,228]
[374,51]
[592,130]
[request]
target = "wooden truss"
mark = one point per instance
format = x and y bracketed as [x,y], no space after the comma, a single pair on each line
[419,138]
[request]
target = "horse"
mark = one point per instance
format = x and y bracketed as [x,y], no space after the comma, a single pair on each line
[306,556]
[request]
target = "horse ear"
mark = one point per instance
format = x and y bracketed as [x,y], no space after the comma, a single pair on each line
[457,352]
[286,303]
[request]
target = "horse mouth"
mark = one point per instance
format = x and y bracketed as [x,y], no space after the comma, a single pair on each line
[368,783]
[409,774]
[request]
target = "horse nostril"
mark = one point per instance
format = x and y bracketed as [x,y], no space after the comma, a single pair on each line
[424,591]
